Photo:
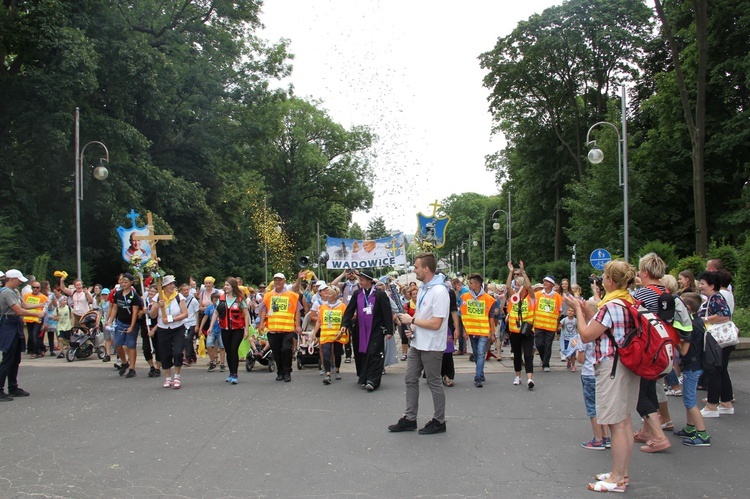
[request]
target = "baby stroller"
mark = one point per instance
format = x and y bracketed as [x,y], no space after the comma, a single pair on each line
[307,351]
[86,338]
[264,358]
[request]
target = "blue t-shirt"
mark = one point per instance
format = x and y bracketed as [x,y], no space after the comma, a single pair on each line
[210,313]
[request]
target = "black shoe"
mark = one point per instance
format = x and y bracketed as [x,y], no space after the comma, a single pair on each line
[131,374]
[151,372]
[117,366]
[124,368]
[157,373]
[370,387]
[403,425]
[61,356]
[482,378]
[348,360]
[279,377]
[431,427]
[287,378]
[478,382]
[18,392]
[51,353]
[106,358]
[4,397]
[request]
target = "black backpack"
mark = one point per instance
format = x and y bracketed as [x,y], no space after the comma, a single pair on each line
[711,358]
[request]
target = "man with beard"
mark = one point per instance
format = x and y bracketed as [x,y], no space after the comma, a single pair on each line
[368,316]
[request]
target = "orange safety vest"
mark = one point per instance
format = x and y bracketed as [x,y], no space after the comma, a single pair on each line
[280,311]
[526,310]
[547,311]
[330,323]
[31,298]
[475,313]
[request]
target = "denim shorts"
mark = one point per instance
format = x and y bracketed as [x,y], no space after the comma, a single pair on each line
[589,394]
[214,338]
[689,386]
[128,340]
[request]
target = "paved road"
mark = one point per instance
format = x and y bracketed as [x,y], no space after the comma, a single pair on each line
[86,432]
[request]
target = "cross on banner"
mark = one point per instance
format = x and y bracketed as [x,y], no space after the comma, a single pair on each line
[435,207]
[152,240]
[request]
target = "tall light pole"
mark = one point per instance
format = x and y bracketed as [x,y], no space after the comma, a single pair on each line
[463,252]
[475,243]
[484,251]
[100,173]
[508,219]
[596,156]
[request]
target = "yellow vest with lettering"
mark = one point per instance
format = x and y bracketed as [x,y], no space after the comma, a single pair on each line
[330,323]
[32,298]
[280,311]
[547,311]
[475,313]
[527,311]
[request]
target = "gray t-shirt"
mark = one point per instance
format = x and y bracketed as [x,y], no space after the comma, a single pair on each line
[8,298]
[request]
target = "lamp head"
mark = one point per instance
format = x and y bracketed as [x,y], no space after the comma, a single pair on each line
[595,155]
[474,242]
[496,226]
[101,172]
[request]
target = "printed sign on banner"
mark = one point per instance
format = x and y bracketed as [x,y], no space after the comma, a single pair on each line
[366,253]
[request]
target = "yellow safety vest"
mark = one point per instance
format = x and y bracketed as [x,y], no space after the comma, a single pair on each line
[330,323]
[547,311]
[526,310]
[31,298]
[280,311]
[475,313]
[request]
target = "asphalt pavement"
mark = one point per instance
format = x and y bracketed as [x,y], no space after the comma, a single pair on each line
[87,432]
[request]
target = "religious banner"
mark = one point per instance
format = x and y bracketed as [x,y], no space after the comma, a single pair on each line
[366,253]
[431,230]
[132,247]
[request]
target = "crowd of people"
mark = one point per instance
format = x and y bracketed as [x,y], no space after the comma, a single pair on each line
[359,317]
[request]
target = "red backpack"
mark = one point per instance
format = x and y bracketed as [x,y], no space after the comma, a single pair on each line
[647,349]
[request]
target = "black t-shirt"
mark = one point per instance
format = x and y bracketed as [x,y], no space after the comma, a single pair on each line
[454,308]
[125,304]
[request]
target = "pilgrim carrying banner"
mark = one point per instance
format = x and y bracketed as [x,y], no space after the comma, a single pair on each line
[366,253]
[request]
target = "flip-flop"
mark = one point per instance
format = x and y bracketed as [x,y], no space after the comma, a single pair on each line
[604,476]
[604,486]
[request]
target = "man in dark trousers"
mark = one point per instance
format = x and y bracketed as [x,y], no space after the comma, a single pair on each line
[368,316]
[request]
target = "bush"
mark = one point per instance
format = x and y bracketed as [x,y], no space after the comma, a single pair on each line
[741,319]
[696,264]
[741,281]
[730,257]
[665,251]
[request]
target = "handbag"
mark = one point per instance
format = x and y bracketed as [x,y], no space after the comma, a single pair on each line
[527,329]
[726,334]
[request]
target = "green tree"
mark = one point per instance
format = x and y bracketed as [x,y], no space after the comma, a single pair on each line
[376,228]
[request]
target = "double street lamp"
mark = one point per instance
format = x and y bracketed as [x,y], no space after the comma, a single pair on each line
[596,156]
[100,173]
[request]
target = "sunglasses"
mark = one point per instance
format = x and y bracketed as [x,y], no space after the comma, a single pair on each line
[36,287]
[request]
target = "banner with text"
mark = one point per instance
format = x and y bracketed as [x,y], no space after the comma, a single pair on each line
[366,253]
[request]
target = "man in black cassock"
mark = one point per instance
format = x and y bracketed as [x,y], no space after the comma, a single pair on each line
[369,318]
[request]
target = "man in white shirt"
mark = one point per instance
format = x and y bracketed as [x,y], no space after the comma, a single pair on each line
[428,342]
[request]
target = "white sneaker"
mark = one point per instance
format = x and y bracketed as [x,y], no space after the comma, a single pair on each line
[706,413]
[726,410]
[530,384]
[517,381]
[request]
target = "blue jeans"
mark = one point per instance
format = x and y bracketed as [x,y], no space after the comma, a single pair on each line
[689,386]
[589,394]
[479,347]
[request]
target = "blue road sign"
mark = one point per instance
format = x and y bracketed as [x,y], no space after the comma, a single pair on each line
[599,258]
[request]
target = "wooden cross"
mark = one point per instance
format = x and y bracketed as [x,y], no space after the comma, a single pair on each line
[152,240]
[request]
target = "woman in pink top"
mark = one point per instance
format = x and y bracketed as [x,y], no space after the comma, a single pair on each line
[81,300]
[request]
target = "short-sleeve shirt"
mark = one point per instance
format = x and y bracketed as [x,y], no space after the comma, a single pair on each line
[8,298]
[432,302]
[569,330]
[613,317]
[587,368]
[125,304]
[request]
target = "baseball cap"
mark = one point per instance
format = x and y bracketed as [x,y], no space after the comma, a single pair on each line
[105,291]
[322,287]
[16,274]
[168,279]
[549,278]
[279,275]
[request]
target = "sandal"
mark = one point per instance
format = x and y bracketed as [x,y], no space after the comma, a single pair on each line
[604,486]
[447,381]
[604,476]
[177,384]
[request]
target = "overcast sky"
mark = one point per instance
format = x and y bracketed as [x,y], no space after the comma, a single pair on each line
[408,69]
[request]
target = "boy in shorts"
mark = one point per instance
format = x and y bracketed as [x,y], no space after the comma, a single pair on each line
[213,335]
[586,357]
[124,315]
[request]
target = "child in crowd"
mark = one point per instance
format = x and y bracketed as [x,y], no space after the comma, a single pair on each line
[586,357]
[694,433]
[214,343]
[568,332]
[50,323]
[64,317]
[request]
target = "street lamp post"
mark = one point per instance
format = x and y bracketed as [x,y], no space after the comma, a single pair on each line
[100,173]
[508,220]
[474,243]
[484,251]
[596,156]
[463,252]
